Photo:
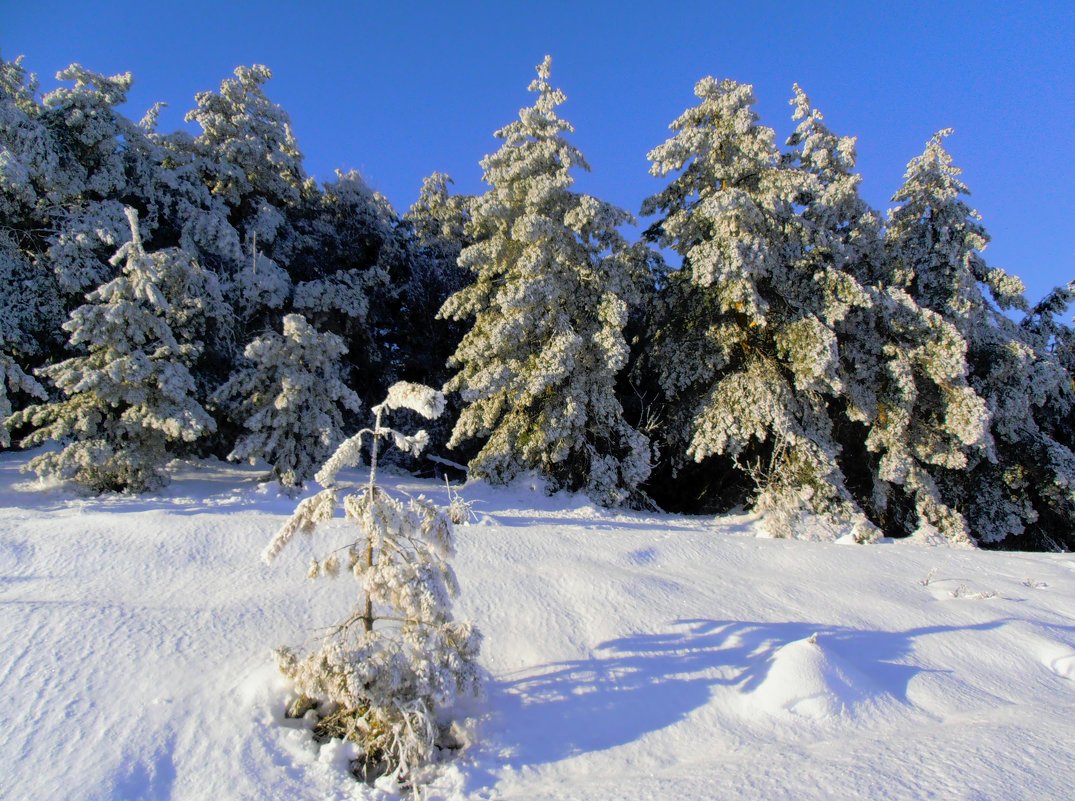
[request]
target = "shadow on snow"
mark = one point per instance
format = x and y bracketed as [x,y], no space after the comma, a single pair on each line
[647,682]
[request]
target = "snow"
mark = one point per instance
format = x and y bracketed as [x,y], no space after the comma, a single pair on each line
[629,655]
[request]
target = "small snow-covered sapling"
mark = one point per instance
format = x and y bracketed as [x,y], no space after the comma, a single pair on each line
[388,675]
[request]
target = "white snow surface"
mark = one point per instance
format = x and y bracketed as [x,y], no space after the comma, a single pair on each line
[630,655]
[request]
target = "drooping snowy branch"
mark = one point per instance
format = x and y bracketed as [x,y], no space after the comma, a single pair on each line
[386,675]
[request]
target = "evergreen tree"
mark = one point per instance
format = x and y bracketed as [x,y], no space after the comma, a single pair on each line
[347,265]
[21,305]
[42,179]
[435,229]
[550,296]
[290,400]
[745,348]
[905,408]
[131,396]
[1022,493]
[99,163]
[247,157]
[387,676]
[437,223]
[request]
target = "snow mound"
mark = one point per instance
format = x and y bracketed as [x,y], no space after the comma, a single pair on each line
[1062,664]
[807,680]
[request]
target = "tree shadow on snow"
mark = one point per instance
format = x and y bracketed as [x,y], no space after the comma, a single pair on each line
[644,683]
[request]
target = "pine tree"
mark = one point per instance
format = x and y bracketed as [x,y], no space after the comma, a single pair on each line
[905,407]
[290,399]
[131,396]
[98,153]
[745,350]
[347,266]
[247,139]
[45,177]
[1023,493]
[437,223]
[552,285]
[387,676]
[247,157]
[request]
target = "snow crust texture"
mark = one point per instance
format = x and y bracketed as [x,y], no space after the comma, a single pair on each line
[630,655]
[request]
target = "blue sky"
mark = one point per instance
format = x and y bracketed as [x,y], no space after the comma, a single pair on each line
[399,92]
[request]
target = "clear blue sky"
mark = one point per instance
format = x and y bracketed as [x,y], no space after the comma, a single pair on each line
[404,89]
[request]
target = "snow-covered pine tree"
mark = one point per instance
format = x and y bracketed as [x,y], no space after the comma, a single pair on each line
[247,156]
[59,166]
[130,397]
[1023,494]
[290,399]
[346,266]
[98,151]
[30,304]
[905,407]
[388,676]
[437,223]
[552,284]
[745,349]
[435,230]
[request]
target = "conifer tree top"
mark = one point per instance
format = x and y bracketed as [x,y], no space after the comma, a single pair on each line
[536,137]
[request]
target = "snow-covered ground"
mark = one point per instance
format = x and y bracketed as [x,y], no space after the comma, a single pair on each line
[631,656]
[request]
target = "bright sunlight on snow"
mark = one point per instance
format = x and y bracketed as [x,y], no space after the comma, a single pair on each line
[629,655]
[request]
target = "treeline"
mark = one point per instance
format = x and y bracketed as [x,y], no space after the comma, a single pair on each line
[170,295]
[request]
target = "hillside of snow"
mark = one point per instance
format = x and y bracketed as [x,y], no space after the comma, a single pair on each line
[630,655]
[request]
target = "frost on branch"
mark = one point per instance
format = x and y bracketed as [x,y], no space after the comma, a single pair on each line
[389,675]
[417,397]
[310,511]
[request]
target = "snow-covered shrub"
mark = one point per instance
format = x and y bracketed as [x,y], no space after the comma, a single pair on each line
[131,396]
[290,399]
[386,676]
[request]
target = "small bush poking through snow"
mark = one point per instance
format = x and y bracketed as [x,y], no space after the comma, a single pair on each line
[385,677]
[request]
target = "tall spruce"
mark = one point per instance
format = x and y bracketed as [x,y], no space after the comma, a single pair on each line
[31,309]
[1022,493]
[745,348]
[905,409]
[552,284]
[247,157]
